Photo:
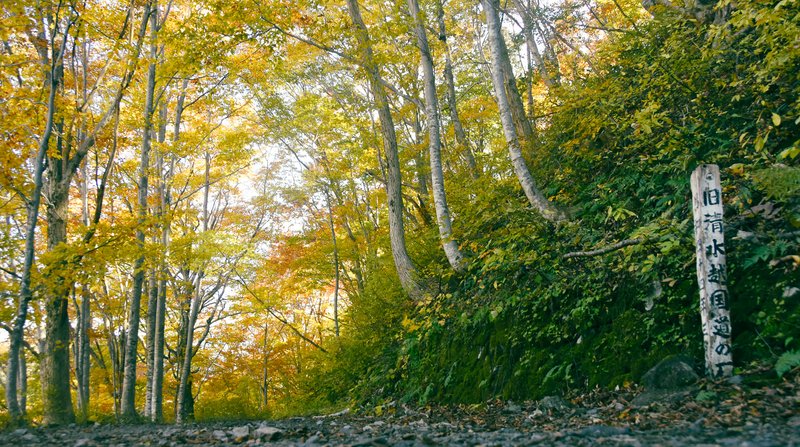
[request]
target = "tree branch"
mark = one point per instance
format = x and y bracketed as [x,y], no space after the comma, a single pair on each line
[604,250]
[278,316]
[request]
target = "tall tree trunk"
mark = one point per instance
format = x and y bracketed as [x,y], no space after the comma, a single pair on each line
[155,273]
[498,49]
[183,413]
[422,176]
[407,272]
[530,38]
[57,398]
[52,82]
[265,375]
[451,250]
[152,300]
[157,412]
[129,380]
[523,127]
[335,266]
[81,346]
[449,82]
[18,329]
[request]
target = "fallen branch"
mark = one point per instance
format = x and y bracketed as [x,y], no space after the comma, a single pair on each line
[604,250]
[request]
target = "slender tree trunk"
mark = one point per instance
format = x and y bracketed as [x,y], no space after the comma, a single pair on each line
[129,380]
[265,375]
[81,346]
[82,365]
[157,412]
[155,273]
[152,300]
[184,385]
[17,334]
[451,250]
[524,130]
[335,266]
[449,82]
[407,272]
[498,49]
[22,384]
[530,38]
[422,177]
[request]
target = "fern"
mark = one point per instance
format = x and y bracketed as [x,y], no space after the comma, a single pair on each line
[786,362]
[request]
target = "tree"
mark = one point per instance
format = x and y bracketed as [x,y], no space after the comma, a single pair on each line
[500,66]
[128,408]
[450,246]
[406,270]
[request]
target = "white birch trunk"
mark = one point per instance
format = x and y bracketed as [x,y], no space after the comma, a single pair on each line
[450,95]
[129,379]
[497,46]
[443,219]
[181,414]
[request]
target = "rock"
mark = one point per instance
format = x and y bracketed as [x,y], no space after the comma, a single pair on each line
[267,433]
[794,421]
[536,414]
[427,440]
[19,432]
[314,439]
[240,433]
[220,435]
[370,442]
[29,437]
[537,438]
[83,442]
[669,374]
[554,404]
[512,408]
[736,380]
[668,382]
[602,431]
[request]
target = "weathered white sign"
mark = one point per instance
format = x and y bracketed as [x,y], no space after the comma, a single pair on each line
[712,273]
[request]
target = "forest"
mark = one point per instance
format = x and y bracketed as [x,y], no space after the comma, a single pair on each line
[239,210]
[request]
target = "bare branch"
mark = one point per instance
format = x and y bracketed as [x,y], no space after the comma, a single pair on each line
[606,249]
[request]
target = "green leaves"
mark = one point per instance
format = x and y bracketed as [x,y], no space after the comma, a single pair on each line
[787,362]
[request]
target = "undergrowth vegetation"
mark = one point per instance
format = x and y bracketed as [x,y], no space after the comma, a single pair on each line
[523,321]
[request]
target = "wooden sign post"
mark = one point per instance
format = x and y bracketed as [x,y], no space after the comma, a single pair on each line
[712,273]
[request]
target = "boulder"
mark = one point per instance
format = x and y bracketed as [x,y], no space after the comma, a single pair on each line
[671,373]
[670,381]
[267,433]
[240,433]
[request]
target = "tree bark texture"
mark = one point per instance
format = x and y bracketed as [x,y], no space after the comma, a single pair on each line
[498,48]
[128,403]
[451,250]
[406,270]
[450,95]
